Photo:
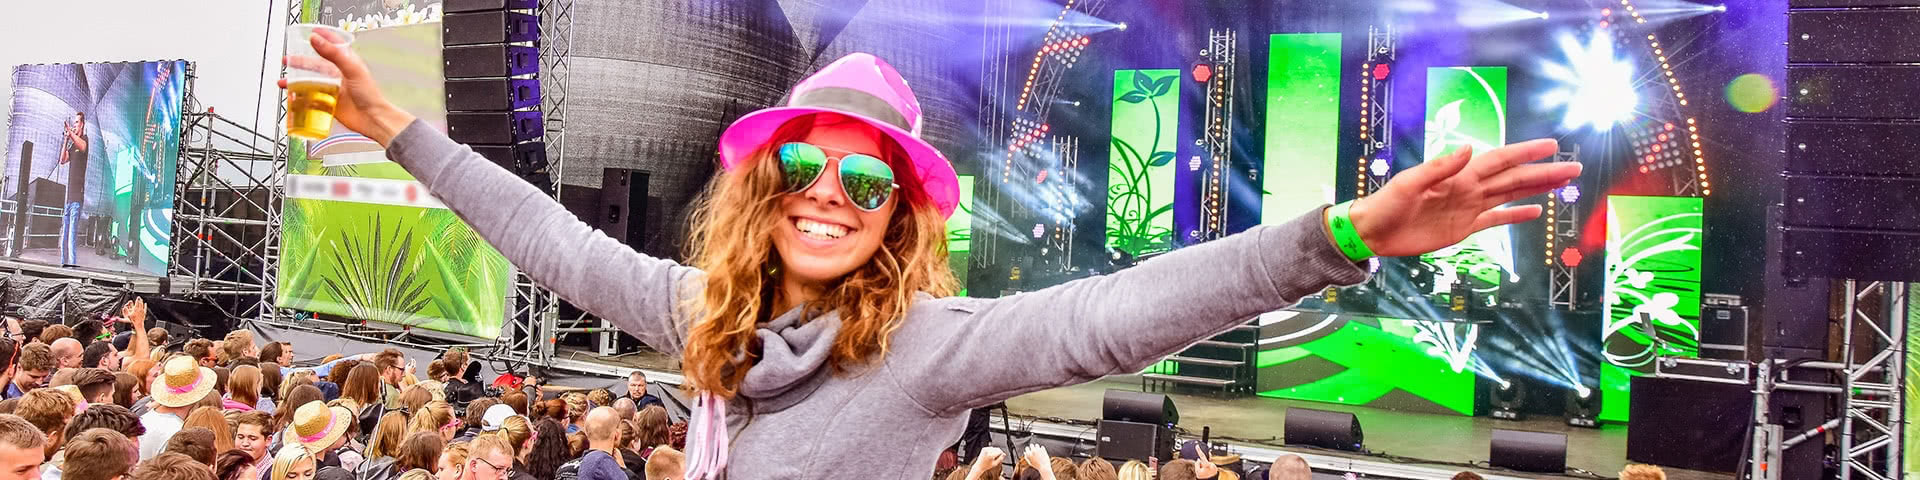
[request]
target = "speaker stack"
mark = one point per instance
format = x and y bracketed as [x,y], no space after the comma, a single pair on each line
[492,66]
[1136,426]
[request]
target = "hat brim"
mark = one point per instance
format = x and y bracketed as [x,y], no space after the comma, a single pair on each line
[336,428]
[934,175]
[202,385]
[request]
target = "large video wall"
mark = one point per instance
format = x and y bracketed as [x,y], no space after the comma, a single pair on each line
[360,238]
[91,156]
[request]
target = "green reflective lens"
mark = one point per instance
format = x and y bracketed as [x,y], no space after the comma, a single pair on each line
[868,181]
[802,164]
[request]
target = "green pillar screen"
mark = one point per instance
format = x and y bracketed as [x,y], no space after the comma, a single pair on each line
[1140,170]
[1303,124]
[1653,285]
[1467,107]
[960,233]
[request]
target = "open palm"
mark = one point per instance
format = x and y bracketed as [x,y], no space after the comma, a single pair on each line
[1441,202]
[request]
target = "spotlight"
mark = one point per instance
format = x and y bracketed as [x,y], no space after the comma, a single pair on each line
[1123,25]
[1583,407]
[1543,15]
[1508,400]
[1595,85]
[1717,8]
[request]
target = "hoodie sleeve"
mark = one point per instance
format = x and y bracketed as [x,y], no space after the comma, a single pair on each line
[962,353]
[638,293]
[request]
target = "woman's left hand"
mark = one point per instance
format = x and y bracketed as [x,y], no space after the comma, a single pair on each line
[1439,203]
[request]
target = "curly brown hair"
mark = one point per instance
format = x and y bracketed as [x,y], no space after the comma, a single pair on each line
[732,241]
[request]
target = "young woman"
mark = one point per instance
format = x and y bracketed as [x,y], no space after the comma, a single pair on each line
[292,463]
[814,319]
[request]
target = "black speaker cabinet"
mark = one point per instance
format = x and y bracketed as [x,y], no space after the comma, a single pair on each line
[496,128]
[1528,451]
[23,195]
[488,27]
[521,159]
[1130,406]
[492,94]
[1134,441]
[1690,424]
[463,6]
[1324,429]
[623,201]
[490,60]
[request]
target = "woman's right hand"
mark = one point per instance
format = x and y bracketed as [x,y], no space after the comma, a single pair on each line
[359,106]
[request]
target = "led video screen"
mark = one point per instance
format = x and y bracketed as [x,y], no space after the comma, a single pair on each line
[91,158]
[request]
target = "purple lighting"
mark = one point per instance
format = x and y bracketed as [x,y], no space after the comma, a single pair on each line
[1570,194]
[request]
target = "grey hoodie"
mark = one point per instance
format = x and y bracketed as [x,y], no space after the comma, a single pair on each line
[892,418]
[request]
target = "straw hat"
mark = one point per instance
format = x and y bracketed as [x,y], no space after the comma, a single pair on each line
[317,426]
[183,382]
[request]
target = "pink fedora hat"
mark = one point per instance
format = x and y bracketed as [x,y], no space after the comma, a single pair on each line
[865,88]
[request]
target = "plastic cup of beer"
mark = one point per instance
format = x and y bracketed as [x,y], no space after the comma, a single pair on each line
[311,89]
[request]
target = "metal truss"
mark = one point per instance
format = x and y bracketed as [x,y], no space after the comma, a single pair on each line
[222,237]
[1221,54]
[533,324]
[1067,148]
[1376,109]
[1873,394]
[1563,231]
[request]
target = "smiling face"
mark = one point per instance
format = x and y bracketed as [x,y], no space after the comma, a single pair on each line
[821,236]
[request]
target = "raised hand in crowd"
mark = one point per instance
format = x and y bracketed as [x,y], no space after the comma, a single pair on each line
[988,458]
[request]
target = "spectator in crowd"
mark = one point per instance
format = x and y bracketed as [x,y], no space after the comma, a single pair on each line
[96,385]
[126,388]
[101,355]
[182,383]
[518,401]
[157,338]
[1468,476]
[452,464]
[48,410]
[86,332]
[629,457]
[1063,469]
[490,459]
[31,330]
[413,398]
[550,449]
[669,464]
[202,351]
[293,463]
[637,390]
[1290,467]
[596,398]
[270,378]
[625,409]
[1134,470]
[234,465]
[1178,470]
[363,386]
[352,454]
[194,442]
[109,417]
[394,371]
[251,434]
[576,404]
[1642,472]
[280,353]
[986,466]
[322,430]
[417,474]
[22,449]
[212,419]
[1097,468]
[477,413]
[97,454]
[55,332]
[419,451]
[35,366]
[172,466]
[13,329]
[243,388]
[237,344]
[602,460]
[435,417]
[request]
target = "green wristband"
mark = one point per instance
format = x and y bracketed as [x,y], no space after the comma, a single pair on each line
[1341,225]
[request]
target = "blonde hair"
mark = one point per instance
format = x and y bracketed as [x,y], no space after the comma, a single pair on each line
[732,241]
[665,462]
[284,461]
[430,418]
[385,441]
[1134,470]
[515,430]
[1642,472]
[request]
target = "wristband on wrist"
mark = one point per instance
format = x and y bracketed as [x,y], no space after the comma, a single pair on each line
[1340,224]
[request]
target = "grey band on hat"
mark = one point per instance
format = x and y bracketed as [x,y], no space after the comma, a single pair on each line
[855,102]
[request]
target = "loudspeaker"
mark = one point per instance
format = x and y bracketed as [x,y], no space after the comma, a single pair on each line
[623,205]
[1690,424]
[521,158]
[492,94]
[1723,327]
[1879,36]
[1324,429]
[1128,406]
[490,60]
[21,199]
[1120,440]
[497,128]
[462,6]
[1528,451]
[488,27]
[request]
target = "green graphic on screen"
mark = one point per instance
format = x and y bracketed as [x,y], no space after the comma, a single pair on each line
[1369,361]
[1303,124]
[1912,428]
[960,233]
[1467,107]
[391,259]
[1146,120]
[1652,290]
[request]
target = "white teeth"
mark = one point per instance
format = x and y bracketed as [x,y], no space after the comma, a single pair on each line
[825,231]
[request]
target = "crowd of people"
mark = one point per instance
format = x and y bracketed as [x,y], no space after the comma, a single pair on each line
[105,400]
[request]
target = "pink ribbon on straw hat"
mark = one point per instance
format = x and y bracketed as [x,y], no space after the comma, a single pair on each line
[317,436]
[183,389]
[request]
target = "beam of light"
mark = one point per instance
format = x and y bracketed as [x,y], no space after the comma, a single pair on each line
[1594,85]
[1661,11]
[1477,14]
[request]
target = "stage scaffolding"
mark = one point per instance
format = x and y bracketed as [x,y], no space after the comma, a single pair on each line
[530,329]
[224,204]
[1869,385]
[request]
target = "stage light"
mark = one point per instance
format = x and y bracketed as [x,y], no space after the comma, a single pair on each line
[1543,15]
[1122,26]
[1570,194]
[1570,257]
[1720,8]
[1596,86]
[1583,408]
[1508,400]
[1379,167]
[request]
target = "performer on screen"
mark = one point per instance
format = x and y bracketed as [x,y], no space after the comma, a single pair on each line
[814,319]
[74,156]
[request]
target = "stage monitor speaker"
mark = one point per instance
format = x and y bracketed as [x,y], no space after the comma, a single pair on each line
[1689,424]
[1324,429]
[623,203]
[496,128]
[1536,452]
[1723,327]
[521,158]
[21,198]
[492,94]
[1130,406]
[463,6]
[489,60]
[488,27]
[1121,440]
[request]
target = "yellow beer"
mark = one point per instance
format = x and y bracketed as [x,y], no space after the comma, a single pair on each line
[310,108]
